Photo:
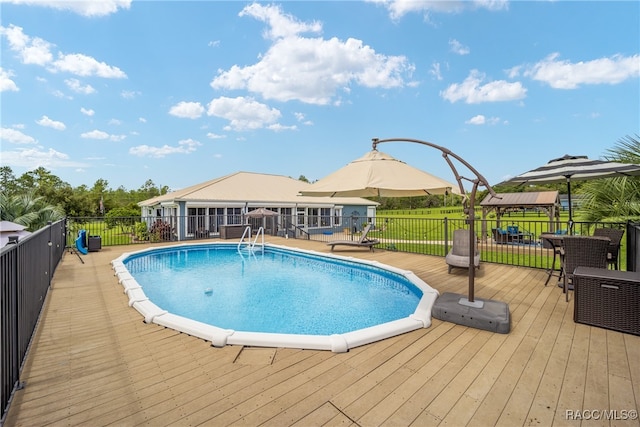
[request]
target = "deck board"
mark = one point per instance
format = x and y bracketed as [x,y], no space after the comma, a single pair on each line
[94,361]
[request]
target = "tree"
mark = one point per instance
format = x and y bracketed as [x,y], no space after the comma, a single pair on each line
[7,181]
[28,210]
[615,199]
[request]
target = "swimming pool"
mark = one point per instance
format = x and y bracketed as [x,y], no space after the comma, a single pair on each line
[217,287]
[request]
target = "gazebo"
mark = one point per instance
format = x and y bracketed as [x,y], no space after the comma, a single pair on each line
[544,201]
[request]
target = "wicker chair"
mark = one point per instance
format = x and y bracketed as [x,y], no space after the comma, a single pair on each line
[614,247]
[458,255]
[583,251]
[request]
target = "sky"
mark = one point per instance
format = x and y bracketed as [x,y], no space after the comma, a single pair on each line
[181,92]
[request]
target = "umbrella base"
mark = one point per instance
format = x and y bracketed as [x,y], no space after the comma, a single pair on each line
[488,315]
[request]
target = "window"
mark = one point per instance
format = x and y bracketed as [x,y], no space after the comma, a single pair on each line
[196,219]
[216,219]
[325,217]
[234,215]
[337,216]
[313,217]
[300,214]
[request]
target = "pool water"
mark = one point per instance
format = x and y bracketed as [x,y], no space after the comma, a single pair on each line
[272,291]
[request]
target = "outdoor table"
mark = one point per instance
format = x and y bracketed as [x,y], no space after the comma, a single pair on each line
[556,243]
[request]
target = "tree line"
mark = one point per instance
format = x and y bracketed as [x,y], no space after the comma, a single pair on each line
[39,196]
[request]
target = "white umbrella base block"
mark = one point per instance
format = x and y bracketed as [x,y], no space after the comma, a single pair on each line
[490,315]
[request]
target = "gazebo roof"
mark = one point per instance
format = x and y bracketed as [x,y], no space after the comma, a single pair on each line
[524,200]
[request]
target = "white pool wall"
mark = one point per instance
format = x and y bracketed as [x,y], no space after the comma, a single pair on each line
[219,337]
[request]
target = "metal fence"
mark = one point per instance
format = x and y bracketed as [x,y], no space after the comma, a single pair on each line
[28,265]
[397,233]
[26,269]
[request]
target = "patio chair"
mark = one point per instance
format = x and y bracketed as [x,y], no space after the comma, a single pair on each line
[583,251]
[364,241]
[458,255]
[615,235]
[500,236]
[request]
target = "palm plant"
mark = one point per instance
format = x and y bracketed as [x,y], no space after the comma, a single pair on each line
[615,199]
[29,210]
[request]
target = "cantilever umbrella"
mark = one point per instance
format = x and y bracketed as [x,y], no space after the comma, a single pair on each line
[378,174]
[574,168]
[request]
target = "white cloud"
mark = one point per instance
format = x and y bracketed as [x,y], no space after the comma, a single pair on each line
[302,119]
[83,65]
[280,25]
[6,83]
[310,70]
[212,135]
[482,120]
[129,94]
[398,8]
[15,137]
[476,120]
[184,147]
[53,124]
[84,8]
[277,127]
[31,50]
[457,47]
[243,113]
[561,74]
[187,110]
[33,158]
[471,91]
[38,51]
[435,71]
[95,134]
[87,112]
[76,86]
[101,135]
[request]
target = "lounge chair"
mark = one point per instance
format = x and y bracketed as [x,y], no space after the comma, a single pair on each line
[364,241]
[458,255]
[500,236]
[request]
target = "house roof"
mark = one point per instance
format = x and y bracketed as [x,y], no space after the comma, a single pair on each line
[528,199]
[252,188]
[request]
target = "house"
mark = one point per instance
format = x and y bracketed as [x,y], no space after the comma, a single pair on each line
[219,207]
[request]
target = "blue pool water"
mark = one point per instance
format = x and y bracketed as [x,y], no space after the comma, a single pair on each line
[276,291]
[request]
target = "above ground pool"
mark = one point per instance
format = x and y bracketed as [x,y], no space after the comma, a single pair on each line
[273,296]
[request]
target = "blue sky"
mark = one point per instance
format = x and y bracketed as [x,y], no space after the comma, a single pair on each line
[183,92]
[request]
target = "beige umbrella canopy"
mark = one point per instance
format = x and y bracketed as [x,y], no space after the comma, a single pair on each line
[378,174]
[260,213]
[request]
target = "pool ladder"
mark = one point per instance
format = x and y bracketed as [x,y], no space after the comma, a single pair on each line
[249,245]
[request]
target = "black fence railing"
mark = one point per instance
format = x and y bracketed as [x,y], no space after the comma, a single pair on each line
[521,246]
[27,267]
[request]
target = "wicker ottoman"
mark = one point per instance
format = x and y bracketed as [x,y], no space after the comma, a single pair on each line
[607,298]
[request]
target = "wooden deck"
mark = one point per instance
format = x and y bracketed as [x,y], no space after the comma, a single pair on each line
[94,362]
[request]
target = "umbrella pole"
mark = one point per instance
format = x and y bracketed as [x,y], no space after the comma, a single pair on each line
[483,314]
[570,208]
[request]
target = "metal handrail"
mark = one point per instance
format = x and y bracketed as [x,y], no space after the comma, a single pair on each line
[260,232]
[247,229]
